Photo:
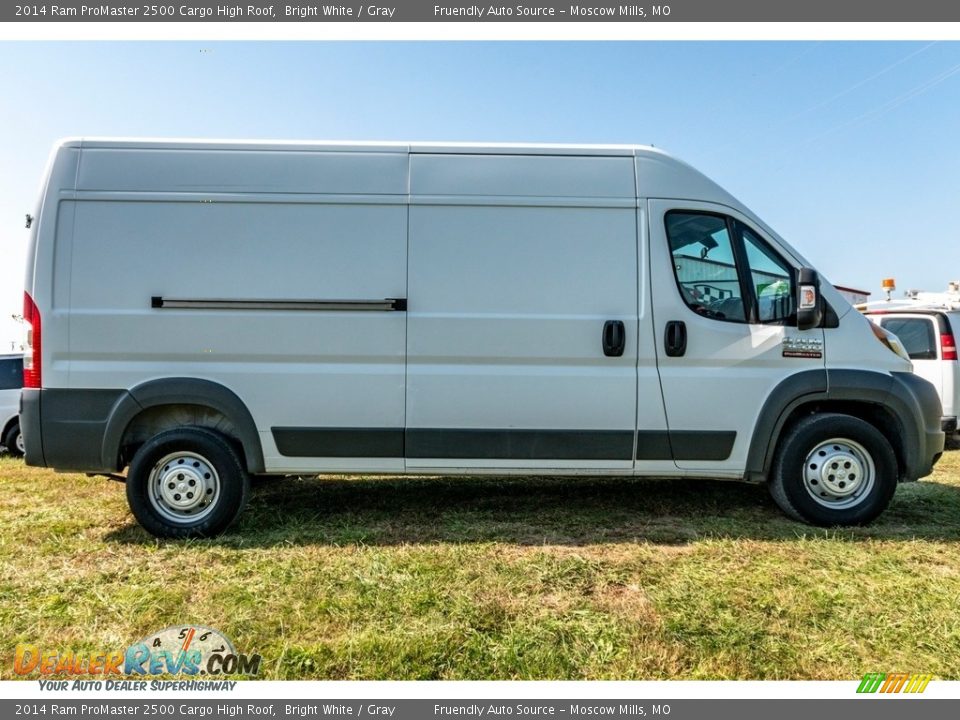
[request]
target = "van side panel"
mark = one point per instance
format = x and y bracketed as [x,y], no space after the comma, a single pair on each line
[516,264]
[239,171]
[308,370]
[521,176]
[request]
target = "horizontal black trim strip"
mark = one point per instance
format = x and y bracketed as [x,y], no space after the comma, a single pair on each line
[685,444]
[653,445]
[454,444]
[520,444]
[461,444]
[339,442]
[158,302]
[702,444]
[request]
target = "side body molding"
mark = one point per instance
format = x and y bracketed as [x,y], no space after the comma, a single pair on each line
[785,397]
[182,391]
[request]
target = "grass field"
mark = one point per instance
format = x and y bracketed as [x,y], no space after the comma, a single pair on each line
[496,579]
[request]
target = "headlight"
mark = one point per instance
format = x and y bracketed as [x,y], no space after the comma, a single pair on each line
[890,340]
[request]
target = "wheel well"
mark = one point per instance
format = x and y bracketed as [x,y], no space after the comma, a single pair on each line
[878,416]
[10,424]
[159,418]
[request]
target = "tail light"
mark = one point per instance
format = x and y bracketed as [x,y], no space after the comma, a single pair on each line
[949,346]
[31,359]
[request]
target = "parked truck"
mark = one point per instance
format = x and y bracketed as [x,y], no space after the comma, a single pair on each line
[11,381]
[927,324]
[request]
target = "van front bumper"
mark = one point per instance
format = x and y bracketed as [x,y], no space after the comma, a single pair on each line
[948,424]
[923,422]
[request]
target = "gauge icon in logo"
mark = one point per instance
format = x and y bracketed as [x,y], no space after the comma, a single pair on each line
[190,637]
[185,647]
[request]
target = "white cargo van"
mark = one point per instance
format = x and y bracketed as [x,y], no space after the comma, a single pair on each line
[204,311]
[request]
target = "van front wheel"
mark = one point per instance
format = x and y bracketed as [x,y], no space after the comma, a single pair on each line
[834,470]
[187,482]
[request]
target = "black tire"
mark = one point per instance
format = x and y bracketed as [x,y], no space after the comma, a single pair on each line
[187,461]
[13,440]
[799,473]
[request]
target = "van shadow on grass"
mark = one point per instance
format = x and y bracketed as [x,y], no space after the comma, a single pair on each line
[548,511]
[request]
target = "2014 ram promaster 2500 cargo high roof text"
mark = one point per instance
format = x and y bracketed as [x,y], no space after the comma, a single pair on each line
[206,311]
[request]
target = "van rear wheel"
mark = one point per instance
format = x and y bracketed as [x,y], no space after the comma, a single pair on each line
[834,470]
[188,482]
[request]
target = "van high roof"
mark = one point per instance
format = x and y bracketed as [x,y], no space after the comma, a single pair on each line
[613,150]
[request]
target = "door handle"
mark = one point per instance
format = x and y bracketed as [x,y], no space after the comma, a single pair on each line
[614,338]
[675,338]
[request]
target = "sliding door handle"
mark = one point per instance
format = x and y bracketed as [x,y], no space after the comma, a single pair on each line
[614,338]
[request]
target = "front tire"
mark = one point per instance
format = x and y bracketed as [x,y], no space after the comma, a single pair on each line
[188,482]
[834,470]
[13,440]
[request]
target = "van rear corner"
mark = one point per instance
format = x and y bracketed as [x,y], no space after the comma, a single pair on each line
[31,427]
[60,177]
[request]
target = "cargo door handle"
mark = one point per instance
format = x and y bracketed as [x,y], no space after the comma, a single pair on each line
[675,340]
[614,338]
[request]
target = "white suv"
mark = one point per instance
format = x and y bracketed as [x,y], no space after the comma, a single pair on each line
[929,336]
[11,381]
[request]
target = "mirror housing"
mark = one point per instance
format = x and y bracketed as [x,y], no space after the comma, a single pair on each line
[809,304]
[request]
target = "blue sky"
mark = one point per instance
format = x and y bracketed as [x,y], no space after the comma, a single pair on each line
[851,150]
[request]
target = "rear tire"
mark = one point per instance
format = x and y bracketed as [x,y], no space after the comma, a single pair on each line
[13,440]
[834,470]
[188,482]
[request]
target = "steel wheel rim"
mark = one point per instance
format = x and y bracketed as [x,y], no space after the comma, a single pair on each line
[839,473]
[183,487]
[21,447]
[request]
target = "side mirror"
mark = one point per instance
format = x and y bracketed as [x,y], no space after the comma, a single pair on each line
[809,307]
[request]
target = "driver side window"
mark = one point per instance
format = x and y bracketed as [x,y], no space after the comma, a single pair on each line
[705,265]
[726,272]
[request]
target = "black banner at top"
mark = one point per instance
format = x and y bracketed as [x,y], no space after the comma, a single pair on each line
[527,11]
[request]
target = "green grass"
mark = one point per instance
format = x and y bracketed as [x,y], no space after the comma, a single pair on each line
[496,579]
